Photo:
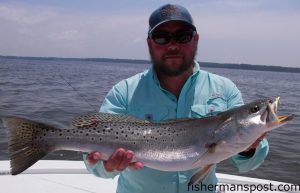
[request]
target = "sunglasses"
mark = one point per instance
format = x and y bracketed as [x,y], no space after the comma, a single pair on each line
[180,37]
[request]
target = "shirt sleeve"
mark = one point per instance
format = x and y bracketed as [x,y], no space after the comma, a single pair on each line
[116,99]
[114,102]
[246,163]
[234,98]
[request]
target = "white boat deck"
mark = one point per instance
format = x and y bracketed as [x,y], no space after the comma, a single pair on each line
[71,176]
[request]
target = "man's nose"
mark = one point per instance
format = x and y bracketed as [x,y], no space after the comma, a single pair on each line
[173,46]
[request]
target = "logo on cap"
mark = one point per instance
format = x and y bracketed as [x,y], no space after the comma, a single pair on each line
[169,11]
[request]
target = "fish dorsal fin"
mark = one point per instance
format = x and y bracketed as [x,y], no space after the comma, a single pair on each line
[95,118]
[177,120]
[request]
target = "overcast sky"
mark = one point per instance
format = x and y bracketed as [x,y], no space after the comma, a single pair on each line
[264,32]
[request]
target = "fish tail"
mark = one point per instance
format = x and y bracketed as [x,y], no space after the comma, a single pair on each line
[25,145]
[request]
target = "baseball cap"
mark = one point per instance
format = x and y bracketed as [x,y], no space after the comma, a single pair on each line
[168,13]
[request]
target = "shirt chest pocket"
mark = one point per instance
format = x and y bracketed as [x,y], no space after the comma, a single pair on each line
[212,107]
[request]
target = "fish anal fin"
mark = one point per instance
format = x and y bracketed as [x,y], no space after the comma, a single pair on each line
[200,175]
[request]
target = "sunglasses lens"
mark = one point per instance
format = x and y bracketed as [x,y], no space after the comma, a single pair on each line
[184,37]
[180,37]
[161,38]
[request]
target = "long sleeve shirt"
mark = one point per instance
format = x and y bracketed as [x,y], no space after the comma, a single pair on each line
[204,94]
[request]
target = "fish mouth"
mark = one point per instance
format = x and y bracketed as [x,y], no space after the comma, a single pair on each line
[272,117]
[284,118]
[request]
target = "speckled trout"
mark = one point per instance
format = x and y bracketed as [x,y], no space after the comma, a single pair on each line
[172,145]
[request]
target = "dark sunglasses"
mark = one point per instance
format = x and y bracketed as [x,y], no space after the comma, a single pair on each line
[180,37]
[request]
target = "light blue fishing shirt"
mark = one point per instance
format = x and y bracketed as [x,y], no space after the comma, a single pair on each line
[204,94]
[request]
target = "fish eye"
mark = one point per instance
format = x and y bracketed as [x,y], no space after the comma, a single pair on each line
[254,109]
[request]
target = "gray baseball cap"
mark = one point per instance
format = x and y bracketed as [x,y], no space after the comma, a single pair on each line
[168,13]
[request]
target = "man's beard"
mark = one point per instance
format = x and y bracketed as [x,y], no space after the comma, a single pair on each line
[160,66]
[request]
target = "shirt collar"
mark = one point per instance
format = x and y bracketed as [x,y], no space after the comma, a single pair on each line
[196,69]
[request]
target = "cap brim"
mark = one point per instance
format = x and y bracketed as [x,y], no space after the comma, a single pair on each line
[173,20]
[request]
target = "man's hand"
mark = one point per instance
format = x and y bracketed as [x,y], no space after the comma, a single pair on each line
[251,150]
[256,143]
[119,160]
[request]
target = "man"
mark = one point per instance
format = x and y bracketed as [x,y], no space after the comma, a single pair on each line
[175,87]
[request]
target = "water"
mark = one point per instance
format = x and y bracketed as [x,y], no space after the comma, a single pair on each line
[55,91]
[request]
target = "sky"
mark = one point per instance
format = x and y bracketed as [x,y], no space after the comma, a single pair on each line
[260,32]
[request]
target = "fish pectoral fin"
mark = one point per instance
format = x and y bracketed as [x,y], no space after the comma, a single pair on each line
[200,175]
[214,145]
[211,148]
[196,162]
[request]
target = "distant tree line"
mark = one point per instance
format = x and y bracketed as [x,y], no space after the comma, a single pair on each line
[135,61]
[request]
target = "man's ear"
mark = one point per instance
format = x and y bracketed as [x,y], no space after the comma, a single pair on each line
[149,42]
[196,37]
